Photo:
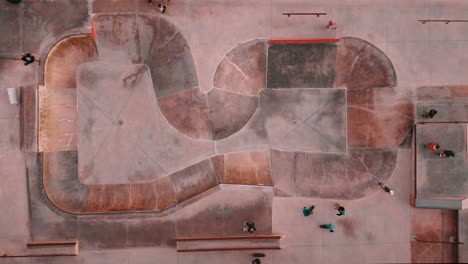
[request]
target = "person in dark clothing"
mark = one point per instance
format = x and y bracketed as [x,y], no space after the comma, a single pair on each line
[308,210]
[27,58]
[446,153]
[249,226]
[341,210]
[162,8]
[14,1]
[161,5]
[430,114]
[386,188]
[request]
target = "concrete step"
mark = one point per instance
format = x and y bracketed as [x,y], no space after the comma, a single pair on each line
[229,243]
[53,248]
[439,203]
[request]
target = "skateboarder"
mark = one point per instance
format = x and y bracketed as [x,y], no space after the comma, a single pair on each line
[386,188]
[308,210]
[330,227]
[446,153]
[430,114]
[432,147]
[341,210]
[249,226]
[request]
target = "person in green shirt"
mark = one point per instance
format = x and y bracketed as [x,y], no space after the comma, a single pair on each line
[330,227]
[308,210]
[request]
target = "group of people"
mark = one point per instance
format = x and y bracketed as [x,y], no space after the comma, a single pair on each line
[443,153]
[306,211]
[161,4]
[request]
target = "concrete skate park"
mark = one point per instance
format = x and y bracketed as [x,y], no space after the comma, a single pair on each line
[143,137]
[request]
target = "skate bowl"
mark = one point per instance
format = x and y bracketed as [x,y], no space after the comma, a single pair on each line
[309,119]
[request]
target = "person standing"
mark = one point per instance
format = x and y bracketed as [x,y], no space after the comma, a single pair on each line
[27,58]
[331,25]
[162,8]
[341,210]
[430,114]
[308,210]
[432,147]
[256,261]
[249,226]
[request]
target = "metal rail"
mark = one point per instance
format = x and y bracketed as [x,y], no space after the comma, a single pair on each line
[440,242]
[446,21]
[304,14]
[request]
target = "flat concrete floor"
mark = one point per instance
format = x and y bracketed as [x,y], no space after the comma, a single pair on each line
[377,227]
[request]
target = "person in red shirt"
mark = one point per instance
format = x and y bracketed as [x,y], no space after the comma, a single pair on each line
[331,25]
[434,147]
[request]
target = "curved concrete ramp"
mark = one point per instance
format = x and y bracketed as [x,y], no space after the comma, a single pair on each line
[378,118]
[64,190]
[352,133]
[238,81]
[359,64]
[57,108]
[350,63]
[151,40]
[65,57]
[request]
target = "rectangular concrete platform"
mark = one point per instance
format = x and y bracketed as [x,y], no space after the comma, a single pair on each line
[436,177]
[253,242]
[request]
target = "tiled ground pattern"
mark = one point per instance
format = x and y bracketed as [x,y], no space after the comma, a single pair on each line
[438,226]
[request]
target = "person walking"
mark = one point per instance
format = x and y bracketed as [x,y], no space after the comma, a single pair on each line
[249,226]
[386,188]
[27,58]
[308,210]
[330,227]
[341,210]
[430,114]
